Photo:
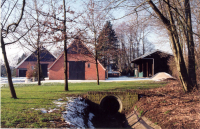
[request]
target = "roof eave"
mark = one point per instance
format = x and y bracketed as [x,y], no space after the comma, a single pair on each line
[23,61]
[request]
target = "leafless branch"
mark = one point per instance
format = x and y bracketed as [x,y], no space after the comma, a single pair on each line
[21,36]
[3,3]
[17,23]
[9,14]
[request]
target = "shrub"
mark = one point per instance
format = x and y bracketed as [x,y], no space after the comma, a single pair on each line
[29,72]
[35,71]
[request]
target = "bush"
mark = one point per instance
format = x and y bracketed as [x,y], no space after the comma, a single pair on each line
[29,72]
[35,71]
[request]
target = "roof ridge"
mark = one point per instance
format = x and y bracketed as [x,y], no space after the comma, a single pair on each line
[70,46]
[147,54]
[43,49]
[23,60]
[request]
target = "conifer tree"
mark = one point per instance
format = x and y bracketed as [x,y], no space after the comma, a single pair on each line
[107,45]
[21,58]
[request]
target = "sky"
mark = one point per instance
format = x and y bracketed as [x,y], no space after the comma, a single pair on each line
[14,51]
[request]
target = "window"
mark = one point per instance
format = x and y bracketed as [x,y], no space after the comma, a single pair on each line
[88,65]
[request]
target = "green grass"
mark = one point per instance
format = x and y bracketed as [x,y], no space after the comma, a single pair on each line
[141,113]
[18,112]
[167,112]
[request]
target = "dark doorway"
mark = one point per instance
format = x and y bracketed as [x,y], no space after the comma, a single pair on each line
[22,73]
[44,69]
[76,70]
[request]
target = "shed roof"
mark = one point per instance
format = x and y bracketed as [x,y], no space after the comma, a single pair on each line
[148,54]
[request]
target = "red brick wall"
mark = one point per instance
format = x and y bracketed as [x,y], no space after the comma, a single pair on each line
[56,72]
[33,63]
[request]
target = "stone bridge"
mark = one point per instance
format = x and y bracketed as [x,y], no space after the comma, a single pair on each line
[114,101]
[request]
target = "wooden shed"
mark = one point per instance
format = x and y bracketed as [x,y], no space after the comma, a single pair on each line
[81,64]
[152,63]
[46,59]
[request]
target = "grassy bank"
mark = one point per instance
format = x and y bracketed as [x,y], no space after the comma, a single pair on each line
[19,113]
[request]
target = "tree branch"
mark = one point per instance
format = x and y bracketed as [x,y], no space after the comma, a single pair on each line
[21,36]
[160,15]
[9,14]
[16,24]
[3,3]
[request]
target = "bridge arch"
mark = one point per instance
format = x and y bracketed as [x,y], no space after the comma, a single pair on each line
[111,103]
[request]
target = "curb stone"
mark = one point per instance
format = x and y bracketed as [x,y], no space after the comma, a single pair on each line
[140,123]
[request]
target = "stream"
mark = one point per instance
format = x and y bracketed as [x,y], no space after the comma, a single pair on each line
[83,113]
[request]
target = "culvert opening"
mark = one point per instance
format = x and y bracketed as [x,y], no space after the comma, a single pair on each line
[111,104]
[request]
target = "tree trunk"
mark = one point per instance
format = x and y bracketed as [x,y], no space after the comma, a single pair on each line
[38,62]
[97,68]
[183,75]
[137,49]
[143,42]
[38,48]
[191,56]
[65,49]
[11,86]
[96,58]
[181,67]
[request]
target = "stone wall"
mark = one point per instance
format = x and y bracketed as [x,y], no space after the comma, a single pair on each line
[127,98]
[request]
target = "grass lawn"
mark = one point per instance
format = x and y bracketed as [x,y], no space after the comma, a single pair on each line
[17,113]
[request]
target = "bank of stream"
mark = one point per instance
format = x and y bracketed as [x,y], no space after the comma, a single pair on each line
[82,113]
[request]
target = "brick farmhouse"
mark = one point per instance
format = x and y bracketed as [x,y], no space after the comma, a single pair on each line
[81,64]
[46,59]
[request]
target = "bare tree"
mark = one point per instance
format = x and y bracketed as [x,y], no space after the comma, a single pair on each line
[63,29]
[34,40]
[123,55]
[132,37]
[65,47]
[94,21]
[170,15]
[195,5]
[188,79]
[7,29]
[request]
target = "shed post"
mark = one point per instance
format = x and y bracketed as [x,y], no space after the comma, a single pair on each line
[147,69]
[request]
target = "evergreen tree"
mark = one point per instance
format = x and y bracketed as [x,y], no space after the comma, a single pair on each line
[108,45]
[21,58]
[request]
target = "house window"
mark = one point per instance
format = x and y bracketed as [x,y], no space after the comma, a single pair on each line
[88,65]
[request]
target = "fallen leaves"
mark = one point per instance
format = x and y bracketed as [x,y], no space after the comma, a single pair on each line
[170,107]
